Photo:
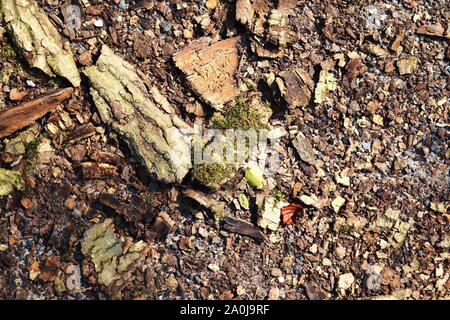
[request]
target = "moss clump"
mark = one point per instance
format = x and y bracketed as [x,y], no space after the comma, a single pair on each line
[212,175]
[7,51]
[278,195]
[31,155]
[243,115]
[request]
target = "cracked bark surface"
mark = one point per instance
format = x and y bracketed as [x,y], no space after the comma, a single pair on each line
[295,87]
[114,261]
[142,117]
[210,69]
[38,40]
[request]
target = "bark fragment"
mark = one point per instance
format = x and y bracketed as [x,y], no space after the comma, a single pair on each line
[161,227]
[244,228]
[133,211]
[10,180]
[37,38]
[81,132]
[244,12]
[295,86]
[210,69]
[112,263]
[269,213]
[142,117]
[436,30]
[327,83]
[26,114]
[93,170]
[407,65]
[354,68]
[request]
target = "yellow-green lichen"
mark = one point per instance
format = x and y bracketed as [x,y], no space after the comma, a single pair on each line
[112,265]
[10,180]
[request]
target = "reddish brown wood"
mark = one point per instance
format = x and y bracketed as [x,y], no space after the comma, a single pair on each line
[24,115]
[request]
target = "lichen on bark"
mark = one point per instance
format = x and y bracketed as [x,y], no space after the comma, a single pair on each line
[112,263]
[10,180]
[141,116]
[38,40]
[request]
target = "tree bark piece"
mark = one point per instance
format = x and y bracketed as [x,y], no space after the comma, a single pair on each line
[26,114]
[143,118]
[436,30]
[113,265]
[295,87]
[37,38]
[10,180]
[133,211]
[92,170]
[210,69]
[243,228]
[304,149]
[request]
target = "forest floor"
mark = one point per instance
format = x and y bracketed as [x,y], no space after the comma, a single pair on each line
[357,207]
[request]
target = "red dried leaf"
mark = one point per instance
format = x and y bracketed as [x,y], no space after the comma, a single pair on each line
[290,212]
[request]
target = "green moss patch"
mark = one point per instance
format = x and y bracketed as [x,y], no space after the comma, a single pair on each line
[243,115]
[212,175]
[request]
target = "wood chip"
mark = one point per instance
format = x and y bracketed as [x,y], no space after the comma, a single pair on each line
[26,114]
[304,149]
[210,69]
[295,86]
[436,30]
[92,170]
[244,228]
[244,12]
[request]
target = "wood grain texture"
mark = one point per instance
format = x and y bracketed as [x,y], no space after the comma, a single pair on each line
[26,114]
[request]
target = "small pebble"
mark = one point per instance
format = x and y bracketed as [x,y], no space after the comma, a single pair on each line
[212,4]
[187,34]
[99,23]
[166,26]
[274,293]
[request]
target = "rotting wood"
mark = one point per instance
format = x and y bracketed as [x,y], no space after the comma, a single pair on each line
[26,114]
[133,211]
[295,87]
[92,170]
[243,228]
[81,132]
